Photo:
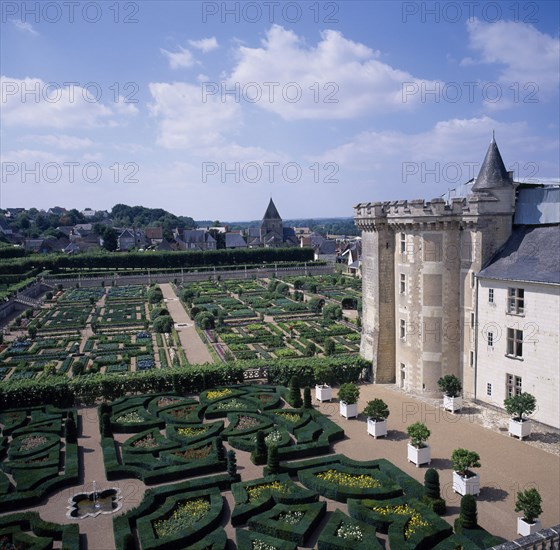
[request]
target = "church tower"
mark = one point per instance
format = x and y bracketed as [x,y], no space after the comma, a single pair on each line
[272,228]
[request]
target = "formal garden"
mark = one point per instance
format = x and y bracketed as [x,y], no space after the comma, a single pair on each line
[189,447]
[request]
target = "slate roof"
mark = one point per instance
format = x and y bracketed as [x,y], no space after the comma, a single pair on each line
[326,247]
[271,212]
[530,254]
[235,240]
[493,172]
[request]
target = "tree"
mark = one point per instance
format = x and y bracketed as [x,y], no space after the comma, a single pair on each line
[377,410]
[163,323]
[273,462]
[329,346]
[310,349]
[32,331]
[205,320]
[464,459]
[450,385]
[155,295]
[529,502]
[307,403]
[259,455]
[468,516]
[332,312]
[520,405]
[110,239]
[295,393]
[418,433]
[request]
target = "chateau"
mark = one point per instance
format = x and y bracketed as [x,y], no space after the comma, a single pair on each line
[469,287]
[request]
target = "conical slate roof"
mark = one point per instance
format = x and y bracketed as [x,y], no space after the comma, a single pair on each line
[271,212]
[493,172]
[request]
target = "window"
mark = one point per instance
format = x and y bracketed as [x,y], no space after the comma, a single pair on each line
[514,342]
[403,283]
[472,320]
[490,295]
[516,301]
[513,385]
[471,358]
[488,389]
[472,280]
[403,243]
[490,339]
[403,329]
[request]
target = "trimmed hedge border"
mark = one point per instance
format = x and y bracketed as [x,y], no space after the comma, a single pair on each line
[31,521]
[328,540]
[299,532]
[245,540]
[154,498]
[64,392]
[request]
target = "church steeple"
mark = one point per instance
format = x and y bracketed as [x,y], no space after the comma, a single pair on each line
[271,212]
[493,173]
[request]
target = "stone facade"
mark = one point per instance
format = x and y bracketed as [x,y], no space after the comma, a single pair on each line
[419,264]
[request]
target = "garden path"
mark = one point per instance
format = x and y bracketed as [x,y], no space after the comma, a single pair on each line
[194,347]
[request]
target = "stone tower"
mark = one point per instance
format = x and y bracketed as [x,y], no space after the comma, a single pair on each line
[272,228]
[418,264]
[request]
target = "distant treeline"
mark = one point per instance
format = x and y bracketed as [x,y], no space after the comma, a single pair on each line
[189,258]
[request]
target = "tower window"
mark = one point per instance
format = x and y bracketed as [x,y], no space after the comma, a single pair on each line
[403,243]
[402,283]
[490,295]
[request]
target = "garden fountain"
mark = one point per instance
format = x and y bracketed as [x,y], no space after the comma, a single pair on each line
[83,505]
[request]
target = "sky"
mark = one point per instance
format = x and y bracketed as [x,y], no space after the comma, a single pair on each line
[208,109]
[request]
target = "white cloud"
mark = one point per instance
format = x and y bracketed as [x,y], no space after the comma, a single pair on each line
[337,78]
[426,164]
[32,102]
[186,121]
[205,45]
[179,60]
[60,141]
[24,26]
[527,55]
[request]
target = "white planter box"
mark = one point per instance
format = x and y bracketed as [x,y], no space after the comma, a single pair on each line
[452,403]
[525,529]
[419,456]
[466,485]
[348,410]
[376,428]
[323,393]
[519,429]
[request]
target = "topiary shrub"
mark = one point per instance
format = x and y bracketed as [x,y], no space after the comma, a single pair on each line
[329,347]
[106,430]
[518,406]
[468,516]
[295,393]
[273,462]
[163,323]
[431,483]
[432,496]
[71,432]
[450,385]
[232,464]
[307,403]
[259,455]
[220,449]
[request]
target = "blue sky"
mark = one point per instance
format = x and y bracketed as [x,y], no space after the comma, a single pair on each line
[207,109]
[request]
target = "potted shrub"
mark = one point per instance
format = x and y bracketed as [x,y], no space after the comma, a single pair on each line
[418,451]
[377,413]
[451,388]
[348,395]
[517,406]
[323,378]
[528,502]
[465,482]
